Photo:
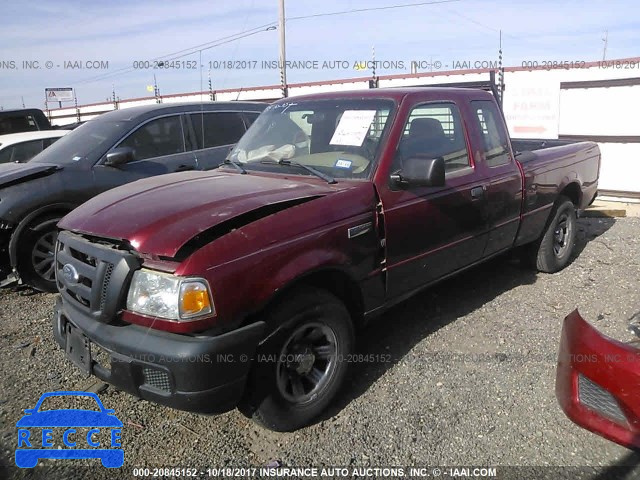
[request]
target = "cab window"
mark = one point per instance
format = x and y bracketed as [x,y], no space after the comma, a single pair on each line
[434,130]
[494,137]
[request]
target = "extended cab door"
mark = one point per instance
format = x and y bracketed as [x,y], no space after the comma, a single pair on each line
[504,186]
[433,231]
[159,146]
[215,135]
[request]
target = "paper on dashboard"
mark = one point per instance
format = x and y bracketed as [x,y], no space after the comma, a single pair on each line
[353,127]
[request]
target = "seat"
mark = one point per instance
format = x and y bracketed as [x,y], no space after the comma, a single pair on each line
[426,138]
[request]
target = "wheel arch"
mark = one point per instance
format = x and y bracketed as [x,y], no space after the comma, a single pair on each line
[573,192]
[334,280]
[58,208]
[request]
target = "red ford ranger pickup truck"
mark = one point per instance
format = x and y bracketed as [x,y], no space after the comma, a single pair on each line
[244,286]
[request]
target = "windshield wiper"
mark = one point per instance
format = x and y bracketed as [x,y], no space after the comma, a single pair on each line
[317,173]
[239,167]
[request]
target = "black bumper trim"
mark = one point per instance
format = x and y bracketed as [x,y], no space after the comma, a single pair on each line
[207,374]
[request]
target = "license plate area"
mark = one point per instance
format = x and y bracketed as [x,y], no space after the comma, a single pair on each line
[78,348]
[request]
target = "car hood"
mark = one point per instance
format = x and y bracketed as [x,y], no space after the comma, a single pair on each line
[158,215]
[12,173]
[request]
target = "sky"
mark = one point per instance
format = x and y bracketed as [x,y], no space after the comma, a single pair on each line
[121,39]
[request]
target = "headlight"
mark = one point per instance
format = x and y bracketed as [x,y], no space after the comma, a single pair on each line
[169,296]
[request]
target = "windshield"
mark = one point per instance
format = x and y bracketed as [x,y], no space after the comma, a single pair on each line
[90,140]
[337,137]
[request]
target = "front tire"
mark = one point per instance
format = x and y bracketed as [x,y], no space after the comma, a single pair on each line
[556,245]
[36,254]
[303,364]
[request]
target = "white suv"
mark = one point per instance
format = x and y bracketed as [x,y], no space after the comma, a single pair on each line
[21,147]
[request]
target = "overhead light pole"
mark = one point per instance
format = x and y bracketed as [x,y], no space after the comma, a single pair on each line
[283,55]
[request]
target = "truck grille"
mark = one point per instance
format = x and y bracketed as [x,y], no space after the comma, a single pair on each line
[92,276]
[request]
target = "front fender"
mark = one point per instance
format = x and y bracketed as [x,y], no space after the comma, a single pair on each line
[308,263]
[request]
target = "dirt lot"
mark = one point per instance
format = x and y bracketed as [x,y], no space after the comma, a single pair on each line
[469,381]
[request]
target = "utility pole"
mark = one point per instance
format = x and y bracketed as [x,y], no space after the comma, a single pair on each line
[212,95]
[500,72]
[114,99]
[283,56]
[373,83]
[156,90]
[605,39]
[75,101]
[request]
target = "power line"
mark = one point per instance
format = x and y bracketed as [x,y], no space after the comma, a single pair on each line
[370,9]
[267,26]
[211,44]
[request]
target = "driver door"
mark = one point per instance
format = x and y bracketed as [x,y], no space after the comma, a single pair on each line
[434,231]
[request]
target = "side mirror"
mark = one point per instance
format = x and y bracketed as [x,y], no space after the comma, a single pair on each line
[421,172]
[119,156]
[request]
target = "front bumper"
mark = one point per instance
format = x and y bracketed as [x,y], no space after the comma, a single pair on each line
[193,373]
[598,382]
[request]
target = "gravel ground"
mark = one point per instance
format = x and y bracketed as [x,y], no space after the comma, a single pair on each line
[469,378]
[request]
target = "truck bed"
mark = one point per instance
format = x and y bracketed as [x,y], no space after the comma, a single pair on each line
[530,144]
[550,170]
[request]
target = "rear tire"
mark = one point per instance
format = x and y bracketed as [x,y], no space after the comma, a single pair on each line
[36,253]
[301,367]
[553,250]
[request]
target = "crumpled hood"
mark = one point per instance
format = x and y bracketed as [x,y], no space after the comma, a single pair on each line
[12,173]
[158,215]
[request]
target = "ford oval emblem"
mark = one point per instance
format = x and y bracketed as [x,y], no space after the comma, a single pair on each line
[70,273]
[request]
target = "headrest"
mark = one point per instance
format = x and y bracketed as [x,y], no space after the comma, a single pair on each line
[426,127]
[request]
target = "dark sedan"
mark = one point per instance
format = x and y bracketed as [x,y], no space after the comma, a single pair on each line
[113,149]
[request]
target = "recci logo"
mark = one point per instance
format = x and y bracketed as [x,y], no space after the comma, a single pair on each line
[92,432]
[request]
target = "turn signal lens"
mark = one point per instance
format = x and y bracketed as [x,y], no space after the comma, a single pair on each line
[194,299]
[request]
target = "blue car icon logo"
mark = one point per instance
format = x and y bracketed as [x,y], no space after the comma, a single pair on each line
[84,433]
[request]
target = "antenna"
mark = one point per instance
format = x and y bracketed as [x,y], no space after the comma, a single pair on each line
[22,101]
[605,39]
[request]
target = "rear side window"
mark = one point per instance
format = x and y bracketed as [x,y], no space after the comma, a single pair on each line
[5,154]
[156,138]
[250,117]
[217,129]
[435,130]
[494,136]
[25,151]
[46,142]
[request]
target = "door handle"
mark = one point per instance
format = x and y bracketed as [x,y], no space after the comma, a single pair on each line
[477,192]
[184,168]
